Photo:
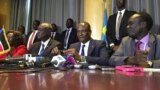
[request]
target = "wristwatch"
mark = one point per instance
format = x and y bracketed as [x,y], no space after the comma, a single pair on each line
[150,63]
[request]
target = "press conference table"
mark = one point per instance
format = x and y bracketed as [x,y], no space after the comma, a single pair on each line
[79,79]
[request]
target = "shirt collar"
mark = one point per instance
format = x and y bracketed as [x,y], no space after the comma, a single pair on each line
[45,42]
[69,29]
[87,43]
[122,11]
[144,39]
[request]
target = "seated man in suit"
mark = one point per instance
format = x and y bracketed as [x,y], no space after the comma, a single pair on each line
[45,46]
[140,48]
[88,50]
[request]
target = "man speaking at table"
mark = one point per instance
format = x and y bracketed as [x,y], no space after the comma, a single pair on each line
[87,50]
[140,48]
[45,46]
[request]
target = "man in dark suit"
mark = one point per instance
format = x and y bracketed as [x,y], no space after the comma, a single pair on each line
[69,36]
[140,48]
[45,46]
[32,36]
[116,27]
[54,34]
[87,50]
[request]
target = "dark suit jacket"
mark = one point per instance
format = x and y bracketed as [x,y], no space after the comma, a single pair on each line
[57,37]
[127,48]
[72,38]
[97,53]
[111,27]
[47,53]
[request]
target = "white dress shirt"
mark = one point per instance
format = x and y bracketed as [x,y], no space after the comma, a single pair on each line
[45,45]
[85,48]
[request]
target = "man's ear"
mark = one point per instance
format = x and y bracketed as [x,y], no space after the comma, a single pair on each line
[143,24]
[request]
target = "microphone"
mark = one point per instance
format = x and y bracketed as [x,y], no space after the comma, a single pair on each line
[70,59]
[15,64]
[27,61]
[63,62]
[39,61]
[58,61]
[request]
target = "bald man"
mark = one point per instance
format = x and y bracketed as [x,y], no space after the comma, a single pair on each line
[46,44]
[141,48]
[87,50]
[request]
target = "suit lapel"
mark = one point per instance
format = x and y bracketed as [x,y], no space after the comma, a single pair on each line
[48,46]
[78,47]
[124,17]
[132,50]
[151,44]
[91,47]
[38,47]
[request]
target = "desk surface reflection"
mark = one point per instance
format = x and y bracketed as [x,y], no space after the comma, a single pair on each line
[79,80]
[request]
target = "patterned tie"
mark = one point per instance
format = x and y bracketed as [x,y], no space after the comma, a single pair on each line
[65,39]
[137,46]
[42,49]
[82,52]
[118,25]
[31,39]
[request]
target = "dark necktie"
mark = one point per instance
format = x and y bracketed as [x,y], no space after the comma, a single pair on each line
[42,49]
[82,52]
[137,46]
[65,39]
[118,25]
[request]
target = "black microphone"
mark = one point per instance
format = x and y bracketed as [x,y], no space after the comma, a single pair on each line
[42,62]
[15,64]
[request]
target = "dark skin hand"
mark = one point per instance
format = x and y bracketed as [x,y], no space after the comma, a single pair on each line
[114,47]
[71,51]
[140,59]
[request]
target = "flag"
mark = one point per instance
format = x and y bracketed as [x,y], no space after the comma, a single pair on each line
[4,44]
[104,27]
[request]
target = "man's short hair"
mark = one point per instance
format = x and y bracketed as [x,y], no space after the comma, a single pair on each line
[47,26]
[70,19]
[146,18]
[37,21]
[86,25]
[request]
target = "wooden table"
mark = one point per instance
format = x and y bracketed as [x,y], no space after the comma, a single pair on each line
[79,80]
